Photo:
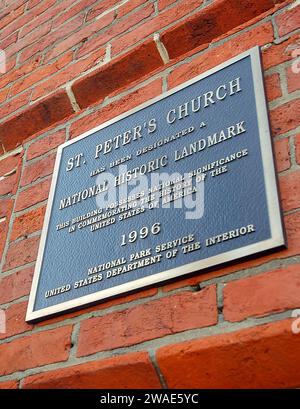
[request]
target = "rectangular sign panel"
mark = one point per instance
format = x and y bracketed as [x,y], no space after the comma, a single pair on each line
[183,182]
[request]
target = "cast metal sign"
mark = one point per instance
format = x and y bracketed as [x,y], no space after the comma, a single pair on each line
[183,182]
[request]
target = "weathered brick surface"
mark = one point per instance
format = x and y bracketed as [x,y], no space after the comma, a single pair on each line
[127,298]
[37,169]
[6,206]
[165,18]
[297,143]
[9,385]
[282,52]
[213,21]
[35,119]
[8,184]
[290,192]
[114,109]
[285,117]
[40,74]
[71,71]
[273,86]
[110,78]
[164,3]
[15,320]
[33,195]
[257,36]
[9,164]
[21,252]
[133,371]
[46,144]
[14,104]
[116,29]
[15,285]
[292,74]
[282,153]
[266,356]
[263,294]
[35,350]
[28,223]
[288,20]
[148,321]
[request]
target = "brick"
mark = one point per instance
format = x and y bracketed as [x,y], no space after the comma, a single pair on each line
[15,320]
[9,385]
[54,36]
[117,108]
[21,252]
[297,145]
[266,356]
[28,223]
[3,94]
[10,6]
[15,285]
[116,29]
[6,206]
[257,36]
[9,184]
[100,8]
[285,117]
[40,74]
[288,20]
[282,152]
[38,169]
[117,74]
[4,224]
[10,163]
[33,195]
[14,26]
[128,7]
[38,117]
[9,40]
[211,22]
[69,73]
[162,4]
[154,24]
[46,144]
[133,371]
[102,306]
[44,17]
[36,350]
[273,87]
[11,62]
[11,16]
[261,295]
[21,22]
[14,104]
[151,320]
[44,5]
[30,40]
[292,75]
[279,53]
[79,36]
[3,233]
[71,12]
[16,73]
[290,192]
[32,3]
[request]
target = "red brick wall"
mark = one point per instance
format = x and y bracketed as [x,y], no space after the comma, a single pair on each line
[75,64]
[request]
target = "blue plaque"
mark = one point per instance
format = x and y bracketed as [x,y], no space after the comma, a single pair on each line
[177,185]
